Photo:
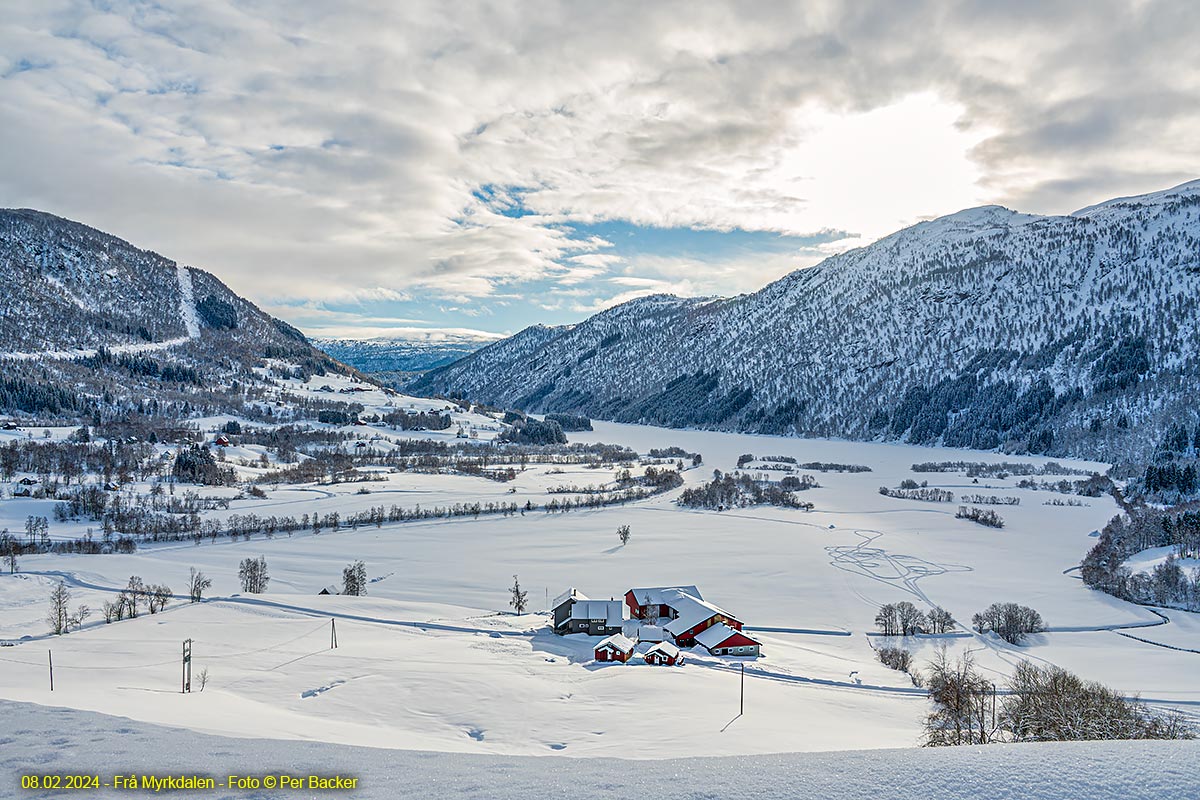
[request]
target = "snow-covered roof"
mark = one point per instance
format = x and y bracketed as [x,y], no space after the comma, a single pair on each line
[616,642]
[691,610]
[611,611]
[650,633]
[666,648]
[714,635]
[654,594]
[567,595]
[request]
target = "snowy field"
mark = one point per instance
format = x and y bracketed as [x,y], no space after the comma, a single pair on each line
[60,739]
[431,659]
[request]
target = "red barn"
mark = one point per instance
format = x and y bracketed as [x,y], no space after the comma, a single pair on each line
[722,640]
[615,648]
[683,611]
[664,653]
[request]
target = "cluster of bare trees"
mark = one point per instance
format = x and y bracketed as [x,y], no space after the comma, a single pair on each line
[354,579]
[991,500]
[905,619]
[137,593]
[1009,621]
[982,516]
[927,493]
[253,574]
[1042,703]
[61,618]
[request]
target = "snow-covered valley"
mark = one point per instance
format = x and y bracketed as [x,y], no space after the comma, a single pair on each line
[432,659]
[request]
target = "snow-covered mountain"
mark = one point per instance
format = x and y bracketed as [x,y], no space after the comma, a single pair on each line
[985,328]
[88,318]
[408,353]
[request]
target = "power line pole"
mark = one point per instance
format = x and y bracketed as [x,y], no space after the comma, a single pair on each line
[50,657]
[187,666]
[742,705]
[332,633]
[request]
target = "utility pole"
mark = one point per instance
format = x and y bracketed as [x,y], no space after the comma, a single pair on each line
[332,633]
[50,657]
[187,666]
[742,705]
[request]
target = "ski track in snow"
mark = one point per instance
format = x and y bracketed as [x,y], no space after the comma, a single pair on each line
[187,311]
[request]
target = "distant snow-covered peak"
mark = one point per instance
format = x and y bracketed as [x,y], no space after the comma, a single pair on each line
[1188,189]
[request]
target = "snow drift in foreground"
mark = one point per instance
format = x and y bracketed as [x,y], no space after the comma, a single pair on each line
[55,740]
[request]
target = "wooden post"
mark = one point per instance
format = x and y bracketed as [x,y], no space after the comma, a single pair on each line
[50,657]
[742,705]
[332,633]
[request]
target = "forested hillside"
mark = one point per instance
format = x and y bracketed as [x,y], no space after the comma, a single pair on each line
[92,326]
[1069,335]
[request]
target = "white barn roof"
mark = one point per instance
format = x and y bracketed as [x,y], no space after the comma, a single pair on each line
[654,594]
[715,635]
[691,610]
[666,648]
[616,642]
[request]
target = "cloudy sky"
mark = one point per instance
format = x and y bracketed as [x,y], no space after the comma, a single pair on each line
[363,167]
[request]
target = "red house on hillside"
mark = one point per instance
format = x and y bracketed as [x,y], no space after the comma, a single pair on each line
[685,611]
[722,640]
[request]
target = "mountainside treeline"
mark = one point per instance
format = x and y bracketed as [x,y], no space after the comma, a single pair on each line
[92,327]
[1070,335]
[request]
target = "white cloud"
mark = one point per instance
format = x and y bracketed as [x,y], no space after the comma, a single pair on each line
[316,151]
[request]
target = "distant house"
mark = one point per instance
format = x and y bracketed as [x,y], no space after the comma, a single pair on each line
[360,444]
[722,640]
[221,441]
[28,482]
[330,589]
[615,648]
[574,612]
[10,426]
[22,491]
[112,486]
[664,654]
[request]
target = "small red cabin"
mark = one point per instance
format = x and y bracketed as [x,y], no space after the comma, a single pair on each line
[615,648]
[664,654]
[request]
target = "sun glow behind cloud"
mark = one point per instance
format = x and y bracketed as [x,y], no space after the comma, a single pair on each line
[875,171]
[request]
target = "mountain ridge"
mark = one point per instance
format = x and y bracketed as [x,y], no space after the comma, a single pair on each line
[123,327]
[986,328]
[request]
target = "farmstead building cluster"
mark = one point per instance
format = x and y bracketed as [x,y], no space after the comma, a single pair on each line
[668,617]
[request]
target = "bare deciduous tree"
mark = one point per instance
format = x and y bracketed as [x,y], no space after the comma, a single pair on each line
[197,583]
[59,617]
[964,702]
[940,620]
[888,620]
